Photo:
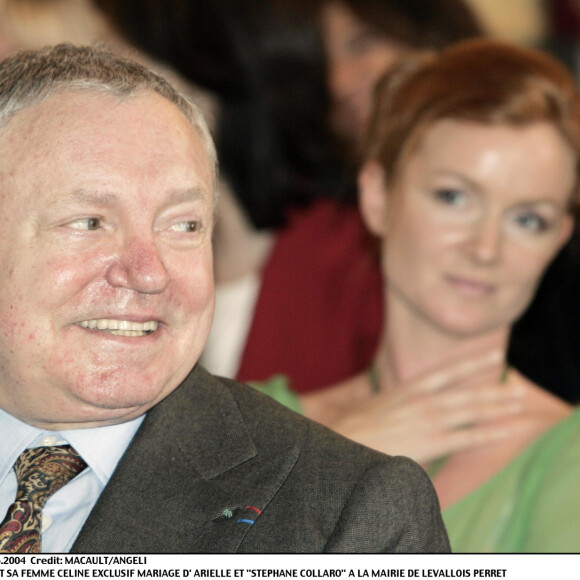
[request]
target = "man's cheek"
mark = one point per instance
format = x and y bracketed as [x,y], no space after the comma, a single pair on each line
[67,271]
[15,321]
[191,286]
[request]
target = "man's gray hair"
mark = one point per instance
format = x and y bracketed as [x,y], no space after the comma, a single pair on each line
[29,77]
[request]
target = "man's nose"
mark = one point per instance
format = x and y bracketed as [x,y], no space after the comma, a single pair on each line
[139,266]
[486,240]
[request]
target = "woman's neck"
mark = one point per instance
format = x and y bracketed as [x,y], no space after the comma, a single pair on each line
[412,345]
[239,248]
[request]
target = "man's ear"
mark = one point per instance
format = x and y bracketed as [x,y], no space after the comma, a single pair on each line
[373,197]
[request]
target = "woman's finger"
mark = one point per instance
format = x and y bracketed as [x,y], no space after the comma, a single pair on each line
[454,373]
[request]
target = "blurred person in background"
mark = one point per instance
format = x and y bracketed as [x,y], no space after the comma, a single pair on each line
[32,24]
[522,22]
[364,38]
[471,184]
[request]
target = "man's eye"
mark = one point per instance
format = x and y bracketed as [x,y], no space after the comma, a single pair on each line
[187,226]
[451,197]
[90,223]
[532,222]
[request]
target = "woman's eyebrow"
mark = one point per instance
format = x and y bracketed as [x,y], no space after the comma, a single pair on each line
[460,177]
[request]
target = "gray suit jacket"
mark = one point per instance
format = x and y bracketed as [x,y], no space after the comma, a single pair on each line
[219,467]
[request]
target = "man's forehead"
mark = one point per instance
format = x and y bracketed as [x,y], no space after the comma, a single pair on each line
[89,126]
[72,112]
[73,104]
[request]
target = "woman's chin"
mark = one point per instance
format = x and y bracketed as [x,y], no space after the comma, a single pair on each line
[466,325]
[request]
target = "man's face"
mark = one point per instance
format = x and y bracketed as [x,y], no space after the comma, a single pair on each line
[106,294]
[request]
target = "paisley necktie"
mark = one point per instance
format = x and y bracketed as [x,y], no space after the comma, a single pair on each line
[41,472]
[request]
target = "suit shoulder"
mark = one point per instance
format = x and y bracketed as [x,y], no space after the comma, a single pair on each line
[364,500]
[347,497]
[272,425]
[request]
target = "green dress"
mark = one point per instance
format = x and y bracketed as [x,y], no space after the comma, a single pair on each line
[531,505]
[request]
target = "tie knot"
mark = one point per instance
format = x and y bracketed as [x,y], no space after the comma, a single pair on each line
[42,471]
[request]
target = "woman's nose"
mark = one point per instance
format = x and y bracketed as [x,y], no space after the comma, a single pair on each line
[486,240]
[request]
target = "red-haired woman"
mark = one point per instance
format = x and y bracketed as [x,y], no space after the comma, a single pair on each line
[471,180]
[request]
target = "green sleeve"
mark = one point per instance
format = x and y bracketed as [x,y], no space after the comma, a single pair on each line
[278,387]
[552,523]
[529,506]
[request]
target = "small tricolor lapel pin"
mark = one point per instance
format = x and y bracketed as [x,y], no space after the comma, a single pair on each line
[242,514]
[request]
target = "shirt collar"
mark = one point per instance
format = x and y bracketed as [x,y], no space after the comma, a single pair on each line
[100,447]
[15,436]
[103,447]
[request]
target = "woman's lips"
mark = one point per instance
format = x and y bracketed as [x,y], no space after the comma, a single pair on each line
[470,287]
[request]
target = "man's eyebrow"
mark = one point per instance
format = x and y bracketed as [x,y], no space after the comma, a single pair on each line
[106,199]
[86,197]
[184,195]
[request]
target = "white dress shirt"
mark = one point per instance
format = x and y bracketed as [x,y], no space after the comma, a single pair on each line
[66,511]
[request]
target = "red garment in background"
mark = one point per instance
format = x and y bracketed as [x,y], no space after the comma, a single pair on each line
[319,312]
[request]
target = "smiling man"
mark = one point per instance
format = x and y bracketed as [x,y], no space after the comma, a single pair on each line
[111,438]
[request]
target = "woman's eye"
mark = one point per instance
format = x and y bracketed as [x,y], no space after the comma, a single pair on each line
[451,197]
[532,221]
[187,227]
[90,224]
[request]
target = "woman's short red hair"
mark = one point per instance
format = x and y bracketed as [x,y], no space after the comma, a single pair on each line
[482,81]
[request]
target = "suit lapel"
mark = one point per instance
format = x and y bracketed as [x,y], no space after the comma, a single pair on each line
[191,480]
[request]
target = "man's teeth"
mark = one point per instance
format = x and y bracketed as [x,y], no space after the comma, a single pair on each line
[121,327]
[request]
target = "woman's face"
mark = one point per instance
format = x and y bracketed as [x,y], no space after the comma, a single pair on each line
[475,217]
[357,56]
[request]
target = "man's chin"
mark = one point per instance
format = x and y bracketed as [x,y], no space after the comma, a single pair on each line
[110,402]
[89,414]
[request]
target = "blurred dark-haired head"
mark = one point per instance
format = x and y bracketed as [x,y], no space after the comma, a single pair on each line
[264,60]
[364,38]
